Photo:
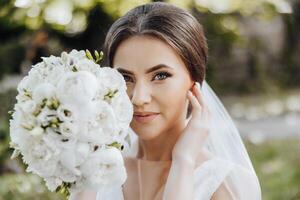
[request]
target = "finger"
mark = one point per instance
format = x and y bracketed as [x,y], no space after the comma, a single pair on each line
[195,103]
[199,111]
[198,94]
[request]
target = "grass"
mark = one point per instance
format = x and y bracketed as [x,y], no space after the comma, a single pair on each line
[277,164]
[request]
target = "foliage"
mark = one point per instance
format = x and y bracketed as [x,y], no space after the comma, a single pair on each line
[277,164]
[7,100]
[24,187]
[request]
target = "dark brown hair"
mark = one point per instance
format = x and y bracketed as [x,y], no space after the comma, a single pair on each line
[175,26]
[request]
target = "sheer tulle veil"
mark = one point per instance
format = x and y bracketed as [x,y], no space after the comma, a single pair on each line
[224,142]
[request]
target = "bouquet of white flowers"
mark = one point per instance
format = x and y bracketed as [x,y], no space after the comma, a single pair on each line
[70,121]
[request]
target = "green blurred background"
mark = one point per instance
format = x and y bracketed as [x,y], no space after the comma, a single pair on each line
[254,65]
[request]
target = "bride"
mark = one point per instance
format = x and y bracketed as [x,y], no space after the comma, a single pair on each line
[185,145]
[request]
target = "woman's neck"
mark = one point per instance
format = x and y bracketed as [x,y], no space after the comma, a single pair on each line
[160,148]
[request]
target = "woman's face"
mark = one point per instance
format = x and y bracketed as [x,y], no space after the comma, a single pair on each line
[157,83]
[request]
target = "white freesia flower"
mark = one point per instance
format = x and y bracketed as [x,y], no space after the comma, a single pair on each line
[30,82]
[18,136]
[67,112]
[66,59]
[21,97]
[42,91]
[45,116]
[27,122]
[28,106]
[36,131]
[71,59]
[57,142]
[68,129]
[53,182]
[56,75]
[77,54]
[51,63]
[86,65]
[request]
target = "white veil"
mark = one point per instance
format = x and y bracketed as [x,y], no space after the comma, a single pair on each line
[224,142]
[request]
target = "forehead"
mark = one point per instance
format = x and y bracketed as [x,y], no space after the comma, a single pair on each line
[139,53]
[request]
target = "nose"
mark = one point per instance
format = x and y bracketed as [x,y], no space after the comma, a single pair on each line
[141,94]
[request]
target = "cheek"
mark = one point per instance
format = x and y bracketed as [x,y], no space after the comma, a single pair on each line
[129,89]
[172,101]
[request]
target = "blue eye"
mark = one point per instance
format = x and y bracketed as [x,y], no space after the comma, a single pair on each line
[162,75]
[127,78]
[158,76]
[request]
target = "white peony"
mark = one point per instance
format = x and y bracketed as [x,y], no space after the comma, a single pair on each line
[120,104]
[82,151]
[104,167]
[77,88]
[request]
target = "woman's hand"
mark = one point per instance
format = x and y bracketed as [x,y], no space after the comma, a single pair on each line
[187,150]
[189,146]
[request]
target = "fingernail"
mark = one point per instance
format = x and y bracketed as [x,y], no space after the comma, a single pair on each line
[198,85]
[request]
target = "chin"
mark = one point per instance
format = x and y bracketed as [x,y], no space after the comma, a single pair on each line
[147,136]
[148,133]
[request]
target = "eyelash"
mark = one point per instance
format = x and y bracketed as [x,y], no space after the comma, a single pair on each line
[166,74]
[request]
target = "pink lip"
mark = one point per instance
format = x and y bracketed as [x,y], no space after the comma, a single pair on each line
[146,118]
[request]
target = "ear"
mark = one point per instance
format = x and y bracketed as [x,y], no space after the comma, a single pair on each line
[193,83]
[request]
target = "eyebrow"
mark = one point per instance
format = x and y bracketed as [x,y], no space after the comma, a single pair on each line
[154,68]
